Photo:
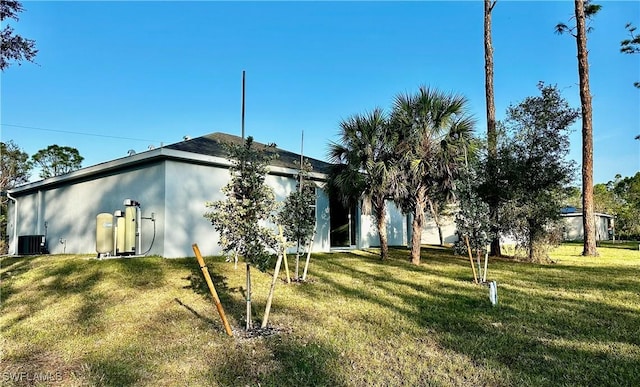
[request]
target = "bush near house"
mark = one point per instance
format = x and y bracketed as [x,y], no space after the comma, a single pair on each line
[72,320]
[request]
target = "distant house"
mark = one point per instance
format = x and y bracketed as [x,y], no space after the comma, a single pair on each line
[572,227]
[172,184]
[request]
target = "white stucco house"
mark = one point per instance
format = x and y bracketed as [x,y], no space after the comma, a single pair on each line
[172,184]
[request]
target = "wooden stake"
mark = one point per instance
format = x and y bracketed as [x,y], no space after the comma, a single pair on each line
[475,277]
[306,265]
[276,271]
[286,266]
[486,264]
[212,289]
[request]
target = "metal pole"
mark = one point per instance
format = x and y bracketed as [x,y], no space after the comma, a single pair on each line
[138,247]
[249,322]
[243,78]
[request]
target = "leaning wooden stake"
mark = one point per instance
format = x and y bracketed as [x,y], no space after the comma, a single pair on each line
[276,271]
[486,264]
[286,266]
[475,276]
[306,265]
[212,289]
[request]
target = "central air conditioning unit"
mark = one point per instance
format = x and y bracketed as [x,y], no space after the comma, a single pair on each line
[32,245]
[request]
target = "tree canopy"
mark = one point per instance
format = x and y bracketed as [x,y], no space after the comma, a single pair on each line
[621,197]
[15,169]
[14,165]
[57,160]
[533,166]
[631,45]
[14,47]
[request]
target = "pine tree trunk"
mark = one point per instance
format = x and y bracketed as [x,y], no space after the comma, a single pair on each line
[381,220]
[492,139]
[488,81]
[588,220]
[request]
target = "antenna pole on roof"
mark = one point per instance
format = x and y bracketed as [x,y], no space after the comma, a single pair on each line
[301,148]
[243,76]
[301,160]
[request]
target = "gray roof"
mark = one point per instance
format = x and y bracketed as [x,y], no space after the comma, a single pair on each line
[207,149]
[212,145]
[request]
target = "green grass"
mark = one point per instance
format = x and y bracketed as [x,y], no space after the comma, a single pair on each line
[74,320]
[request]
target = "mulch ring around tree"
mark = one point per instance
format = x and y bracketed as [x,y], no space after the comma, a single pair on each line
[258,332]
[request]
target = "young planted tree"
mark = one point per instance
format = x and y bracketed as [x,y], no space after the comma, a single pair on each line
[57,160]
[473,219]
[433,129]
[585,10]
[532,161]
[297,216]
[241,219]
[365,168]
[14,48]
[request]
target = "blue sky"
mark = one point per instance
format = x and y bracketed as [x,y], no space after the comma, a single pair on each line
[134,74]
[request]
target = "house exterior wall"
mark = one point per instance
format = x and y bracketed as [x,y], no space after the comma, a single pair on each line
[399,229]
[602,228]
[69,211]
[396,228]
[322,241]
[573,227]
[190,186]
[174,191]
[430,230]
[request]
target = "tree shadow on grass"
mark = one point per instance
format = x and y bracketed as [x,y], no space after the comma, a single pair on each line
[540,340]
[275,361]
[233,309]
[141,273]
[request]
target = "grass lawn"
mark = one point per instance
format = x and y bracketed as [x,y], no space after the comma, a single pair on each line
[73,320]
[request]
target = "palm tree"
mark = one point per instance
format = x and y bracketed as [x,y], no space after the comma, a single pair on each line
[432,127]
[364,168]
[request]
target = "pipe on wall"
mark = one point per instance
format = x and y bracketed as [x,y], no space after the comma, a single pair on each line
[138,248]
[15,223]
